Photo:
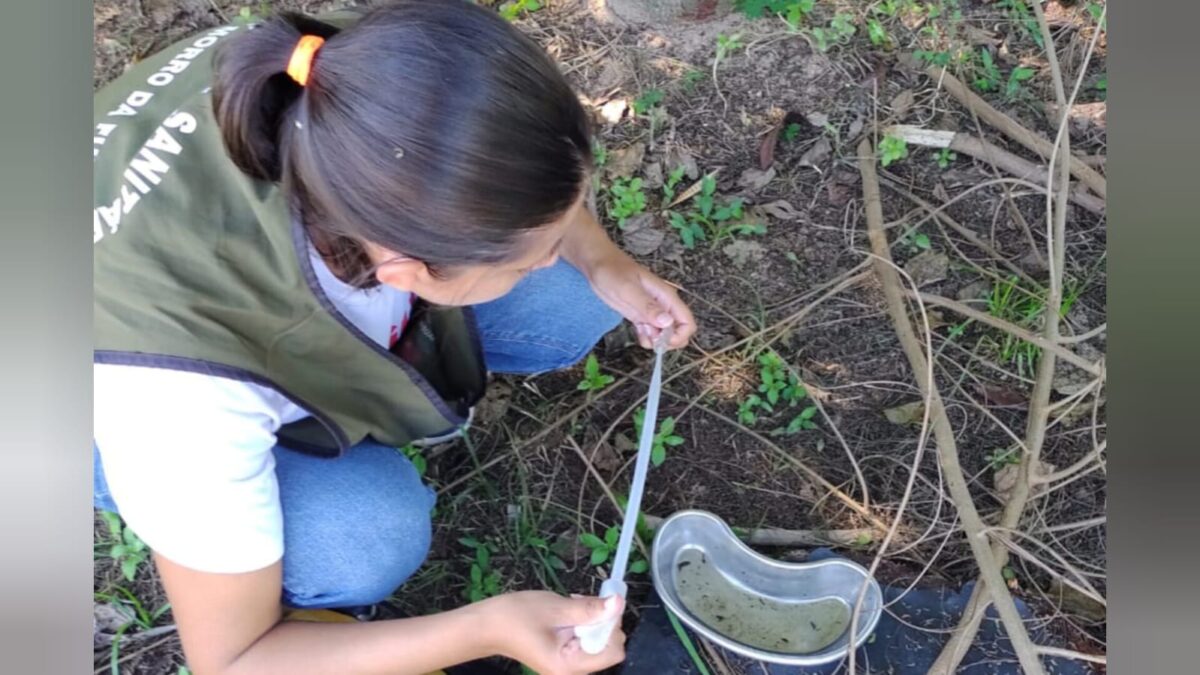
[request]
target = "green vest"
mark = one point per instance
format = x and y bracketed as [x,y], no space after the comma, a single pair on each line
[200,268]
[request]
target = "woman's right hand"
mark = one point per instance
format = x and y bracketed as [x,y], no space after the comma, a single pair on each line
[537,629]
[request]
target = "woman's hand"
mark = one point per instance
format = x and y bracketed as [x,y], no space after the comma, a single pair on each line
[643,298]
[537,629]
[647,301]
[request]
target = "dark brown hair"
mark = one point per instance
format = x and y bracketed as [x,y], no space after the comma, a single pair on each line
[431,128]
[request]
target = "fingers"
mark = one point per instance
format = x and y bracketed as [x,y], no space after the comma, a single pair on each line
[669,310]
[580,662]
[579,610]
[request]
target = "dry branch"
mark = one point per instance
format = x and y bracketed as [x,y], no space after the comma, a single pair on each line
[1039,409]
[947,448]
[1038,340]
[980,149]
[1090,177]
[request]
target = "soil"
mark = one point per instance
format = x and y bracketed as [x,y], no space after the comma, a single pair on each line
[845,349]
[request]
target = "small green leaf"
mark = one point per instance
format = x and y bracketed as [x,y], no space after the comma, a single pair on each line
[922,241]
[673,441]
[638,567]
[611,535]
[129,568]
[599,556]
[591,541]
[117,551]
[658,454]
[470,542]
[476,575]
[808,413]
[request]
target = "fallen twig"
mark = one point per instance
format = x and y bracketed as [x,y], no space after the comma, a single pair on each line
[1038,340]
[1090,177]
[981,149]
[947,447]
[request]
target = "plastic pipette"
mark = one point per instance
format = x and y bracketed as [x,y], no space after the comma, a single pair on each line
[593,637]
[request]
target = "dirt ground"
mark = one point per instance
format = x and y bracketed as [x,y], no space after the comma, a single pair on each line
[522,484]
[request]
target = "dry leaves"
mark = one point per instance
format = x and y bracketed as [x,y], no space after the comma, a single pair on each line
[907,414]
[624,162]
[780,209]
[640,236]
[818,152]
[928,267]
[1005,479]
[742,251]
[755,179]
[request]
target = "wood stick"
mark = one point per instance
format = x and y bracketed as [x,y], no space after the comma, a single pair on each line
[1009,127]
[978,148]
[1039,340]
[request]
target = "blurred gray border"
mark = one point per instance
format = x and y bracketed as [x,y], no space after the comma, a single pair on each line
[45,336]
[45,332]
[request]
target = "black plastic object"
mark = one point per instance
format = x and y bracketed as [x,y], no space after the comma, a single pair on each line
[896,648]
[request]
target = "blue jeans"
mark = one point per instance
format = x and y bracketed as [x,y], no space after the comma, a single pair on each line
[356,527]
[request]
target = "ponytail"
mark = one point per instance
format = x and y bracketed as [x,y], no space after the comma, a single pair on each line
[253,96]
[431,128]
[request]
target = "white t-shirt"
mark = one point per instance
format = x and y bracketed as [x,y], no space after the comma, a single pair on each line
[208,499]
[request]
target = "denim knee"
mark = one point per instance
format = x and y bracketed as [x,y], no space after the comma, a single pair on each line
[552,319]
[352,534]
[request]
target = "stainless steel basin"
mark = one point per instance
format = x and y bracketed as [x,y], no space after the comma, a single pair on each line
[787,613]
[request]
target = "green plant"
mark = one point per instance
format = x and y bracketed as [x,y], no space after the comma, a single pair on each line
[1101,84]
[671,182]
[778,382]
[691,78]
[603,548]
[1019,13]
[247,16]
[137,614]
[664,437]
[877,34]
[1009,301]
[414,455]
[791,131]
[1002,458]
[800,422]
[627,200]
[649,99]
[1015,78]
[593,379]
[892,149]
[530,543]
[711,221]
[1096,11]
[747,409]
[128,551]
[485,581]
[839,31]
[599,153]
[728,44]
[987,76]
[515,8]
[944,157]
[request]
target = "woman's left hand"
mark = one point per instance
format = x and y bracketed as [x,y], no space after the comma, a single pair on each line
[648,302]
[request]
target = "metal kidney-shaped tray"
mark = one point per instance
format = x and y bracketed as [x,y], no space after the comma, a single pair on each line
[788,613]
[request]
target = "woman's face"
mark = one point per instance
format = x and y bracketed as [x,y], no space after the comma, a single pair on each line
[474,284]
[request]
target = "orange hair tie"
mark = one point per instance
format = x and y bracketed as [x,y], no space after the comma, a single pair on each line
[300,64]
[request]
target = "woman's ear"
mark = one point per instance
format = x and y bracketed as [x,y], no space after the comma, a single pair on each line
[406,274]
